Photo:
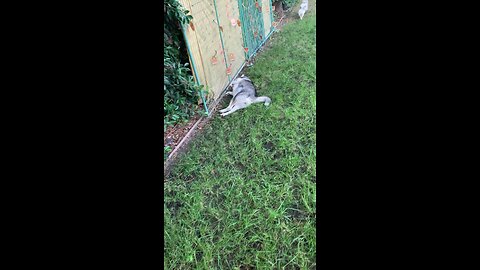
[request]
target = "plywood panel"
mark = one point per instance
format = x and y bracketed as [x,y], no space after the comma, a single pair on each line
[229,16]
[267,22]
[205,43]
[205,35]
[193,43]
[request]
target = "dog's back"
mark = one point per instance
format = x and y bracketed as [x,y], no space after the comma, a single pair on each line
[243,87]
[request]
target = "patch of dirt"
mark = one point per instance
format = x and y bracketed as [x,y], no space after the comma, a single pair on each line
[240,166]
[174,207]
[175,134]
[257,245]
[299,213]
[269,146]
[198,256]
[280,18]
[296,213]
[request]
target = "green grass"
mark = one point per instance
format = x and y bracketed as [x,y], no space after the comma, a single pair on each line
[243,196]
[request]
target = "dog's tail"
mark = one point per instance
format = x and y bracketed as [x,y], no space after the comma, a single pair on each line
[263,99]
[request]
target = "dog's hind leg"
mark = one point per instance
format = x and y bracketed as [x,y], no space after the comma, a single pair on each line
[224,110]
[229,106]
[236,107]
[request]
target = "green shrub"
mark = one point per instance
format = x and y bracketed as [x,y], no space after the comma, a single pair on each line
[166,151]
[180,91]
[289,3]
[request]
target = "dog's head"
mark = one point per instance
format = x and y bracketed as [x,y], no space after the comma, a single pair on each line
[239,79]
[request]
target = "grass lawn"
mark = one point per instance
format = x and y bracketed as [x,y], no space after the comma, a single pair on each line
[243,195]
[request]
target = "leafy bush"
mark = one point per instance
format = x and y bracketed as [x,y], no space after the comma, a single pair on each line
[180,91]
[288,3]
[166,151]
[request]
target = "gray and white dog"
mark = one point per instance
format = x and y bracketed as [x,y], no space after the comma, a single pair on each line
[244,94]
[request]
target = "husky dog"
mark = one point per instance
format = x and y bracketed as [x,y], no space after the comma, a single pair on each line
[303,9]
[244,94]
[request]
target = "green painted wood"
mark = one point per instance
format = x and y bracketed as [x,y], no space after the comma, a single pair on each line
[251,17]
